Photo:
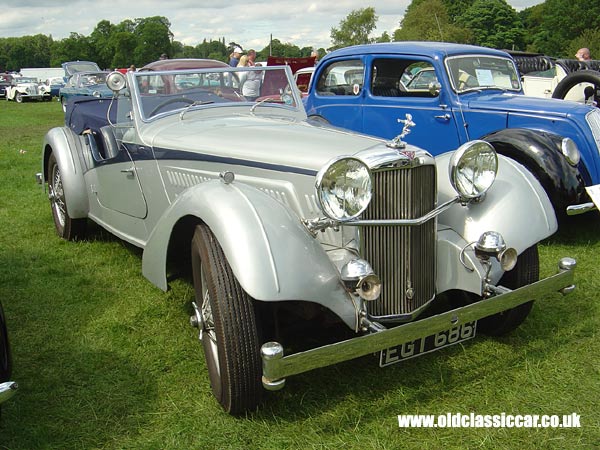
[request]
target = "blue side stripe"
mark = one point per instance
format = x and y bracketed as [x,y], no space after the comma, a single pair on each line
[168,154]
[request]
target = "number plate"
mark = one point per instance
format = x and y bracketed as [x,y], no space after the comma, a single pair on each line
[427,344]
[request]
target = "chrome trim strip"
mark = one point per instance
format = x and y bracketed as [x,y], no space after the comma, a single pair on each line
[406,317]
[277,367]
[404,222]
[575,210]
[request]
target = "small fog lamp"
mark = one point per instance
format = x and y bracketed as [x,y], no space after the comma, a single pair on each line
[491,244]
[358,276]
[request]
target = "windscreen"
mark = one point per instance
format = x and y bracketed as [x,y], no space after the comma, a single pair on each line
[474,72]
[171,91]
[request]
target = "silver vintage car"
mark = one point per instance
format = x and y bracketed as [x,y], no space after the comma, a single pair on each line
[307,245]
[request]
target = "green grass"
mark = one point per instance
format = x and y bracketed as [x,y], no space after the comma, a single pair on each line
[106,360]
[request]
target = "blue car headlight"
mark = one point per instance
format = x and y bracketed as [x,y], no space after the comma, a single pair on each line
[570,151]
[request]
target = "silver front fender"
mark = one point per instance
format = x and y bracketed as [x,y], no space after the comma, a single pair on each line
[270,252]
[516,206]
[63,143]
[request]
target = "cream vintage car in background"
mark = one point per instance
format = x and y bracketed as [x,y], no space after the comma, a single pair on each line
[568,79]
[293,232]
[27,88]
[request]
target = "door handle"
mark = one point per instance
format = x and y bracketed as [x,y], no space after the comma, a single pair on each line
[129,171]
[445,117]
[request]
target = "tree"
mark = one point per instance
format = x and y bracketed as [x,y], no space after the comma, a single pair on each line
[100,41]
[355,28]
[385,37]
[123,44]
[533,20]
[75,47]
[565,20]
[278,48]
[494,23]
[427,20]
[589,39]
[153,38]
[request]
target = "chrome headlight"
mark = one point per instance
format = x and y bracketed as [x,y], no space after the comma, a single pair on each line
[570,150]
[473,168]
[344,188]
[96,94]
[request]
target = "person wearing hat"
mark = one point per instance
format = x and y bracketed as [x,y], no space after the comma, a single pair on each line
[234,58]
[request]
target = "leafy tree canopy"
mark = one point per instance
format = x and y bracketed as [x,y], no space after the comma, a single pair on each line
[494,23]
[428,20]
[355,28]
[555,27]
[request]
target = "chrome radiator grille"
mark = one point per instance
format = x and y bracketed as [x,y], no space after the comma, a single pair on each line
[402,256]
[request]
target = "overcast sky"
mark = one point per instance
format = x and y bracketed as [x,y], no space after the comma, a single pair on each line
[249,23]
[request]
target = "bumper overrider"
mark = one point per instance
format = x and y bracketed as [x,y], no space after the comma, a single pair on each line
[276,366]
[594,193]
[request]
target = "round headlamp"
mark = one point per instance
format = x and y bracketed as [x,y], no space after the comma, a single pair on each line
[570,150]
[344,188]
[473,168]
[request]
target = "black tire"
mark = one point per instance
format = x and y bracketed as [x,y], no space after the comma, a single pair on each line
[574,78]
[526,271]
[19,97]
[229,333]
[66,227]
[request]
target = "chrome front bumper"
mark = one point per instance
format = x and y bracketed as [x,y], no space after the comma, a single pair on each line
[594,194]
[7,390]
[276,366]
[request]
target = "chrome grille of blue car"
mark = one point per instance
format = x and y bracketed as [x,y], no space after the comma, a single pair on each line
[402,256]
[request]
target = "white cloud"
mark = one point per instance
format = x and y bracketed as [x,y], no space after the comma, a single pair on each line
[250,23]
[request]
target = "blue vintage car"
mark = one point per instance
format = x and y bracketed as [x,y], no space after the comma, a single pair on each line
[456,93]
[56,84]
[84,84]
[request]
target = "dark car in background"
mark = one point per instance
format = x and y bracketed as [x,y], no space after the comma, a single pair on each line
[5,82]
[7,388]
[471,93]
[56,84]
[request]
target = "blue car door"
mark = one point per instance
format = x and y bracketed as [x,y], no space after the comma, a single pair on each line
[338,94]
[401,86]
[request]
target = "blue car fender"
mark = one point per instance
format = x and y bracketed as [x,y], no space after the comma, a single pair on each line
[272,255]
[540,152]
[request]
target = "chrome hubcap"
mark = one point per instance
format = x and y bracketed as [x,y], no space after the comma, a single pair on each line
[203,319]
[57,196]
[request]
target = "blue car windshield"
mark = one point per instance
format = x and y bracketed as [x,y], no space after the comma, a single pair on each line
[477,72]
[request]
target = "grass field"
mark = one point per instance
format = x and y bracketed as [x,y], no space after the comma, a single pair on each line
[105,360]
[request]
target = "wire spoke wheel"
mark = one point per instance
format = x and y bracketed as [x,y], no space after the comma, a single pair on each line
[228,330]
[66,227]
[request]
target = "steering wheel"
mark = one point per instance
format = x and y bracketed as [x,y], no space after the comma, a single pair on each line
[170,101]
